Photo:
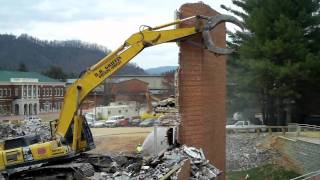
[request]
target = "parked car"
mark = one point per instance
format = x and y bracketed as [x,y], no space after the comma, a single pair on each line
[97,124]
[149,122]
[114,120]
[134,122]
[32,119]
[123,122]
[245,126]
[91,119]
[90,116]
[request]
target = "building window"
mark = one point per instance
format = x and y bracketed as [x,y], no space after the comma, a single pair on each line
[8,109]
[50,91]
[39,91]
[16,91]
[9,92]
[119,111]
[109,112]
[47,91]
[48,106]
[34,91]
[24,91]
[4,92]
[1,91]
[29,91]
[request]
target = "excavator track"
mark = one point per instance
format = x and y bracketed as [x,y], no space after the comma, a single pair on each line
[61,171]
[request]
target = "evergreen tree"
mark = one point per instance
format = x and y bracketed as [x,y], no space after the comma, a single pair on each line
[55,72]
[278,55]
[22,67]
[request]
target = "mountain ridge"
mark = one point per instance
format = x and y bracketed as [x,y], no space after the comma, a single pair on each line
[72,56]
[160,70]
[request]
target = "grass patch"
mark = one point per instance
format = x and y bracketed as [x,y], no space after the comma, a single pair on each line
[268,172]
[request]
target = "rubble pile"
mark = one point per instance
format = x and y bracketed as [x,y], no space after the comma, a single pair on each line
[10,130]
[27,128]
[244,151]
[167,109]
[166,165]
[169,119]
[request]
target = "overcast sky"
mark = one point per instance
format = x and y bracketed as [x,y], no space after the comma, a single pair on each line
[105,22]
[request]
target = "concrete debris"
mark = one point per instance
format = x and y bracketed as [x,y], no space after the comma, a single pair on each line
[193,152]
[170,119]
[28,128]
[165,165]
[244,152]
[10,130]
[165,109]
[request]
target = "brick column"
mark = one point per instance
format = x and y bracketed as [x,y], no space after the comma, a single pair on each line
[202,90]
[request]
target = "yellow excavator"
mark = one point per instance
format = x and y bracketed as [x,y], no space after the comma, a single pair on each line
[70,134]
[150,113]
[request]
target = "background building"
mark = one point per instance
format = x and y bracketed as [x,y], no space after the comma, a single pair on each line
[126,87]
[134,88]
[156,83]
[29,93]
[129,90]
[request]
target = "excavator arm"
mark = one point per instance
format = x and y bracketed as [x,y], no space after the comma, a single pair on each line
[107,66]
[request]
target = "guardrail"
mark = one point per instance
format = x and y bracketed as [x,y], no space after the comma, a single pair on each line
[305,130]
[259,129]
[309,176]
[292,128]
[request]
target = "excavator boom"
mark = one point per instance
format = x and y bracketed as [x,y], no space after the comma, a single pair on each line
[107,66]
[71,131]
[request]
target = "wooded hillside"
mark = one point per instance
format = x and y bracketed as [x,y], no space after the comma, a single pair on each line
[38,55]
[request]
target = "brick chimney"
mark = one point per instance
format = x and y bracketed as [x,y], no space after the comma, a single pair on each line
[202,90]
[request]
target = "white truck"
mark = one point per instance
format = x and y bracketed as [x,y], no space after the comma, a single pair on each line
[246,126]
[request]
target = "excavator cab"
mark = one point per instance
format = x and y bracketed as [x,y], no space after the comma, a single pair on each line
[85,140]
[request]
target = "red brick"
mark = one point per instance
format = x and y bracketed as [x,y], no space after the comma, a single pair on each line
[202,90]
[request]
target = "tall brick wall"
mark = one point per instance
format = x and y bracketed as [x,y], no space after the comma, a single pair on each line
[202,90]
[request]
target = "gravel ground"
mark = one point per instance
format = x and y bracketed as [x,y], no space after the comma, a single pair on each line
[245,151]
